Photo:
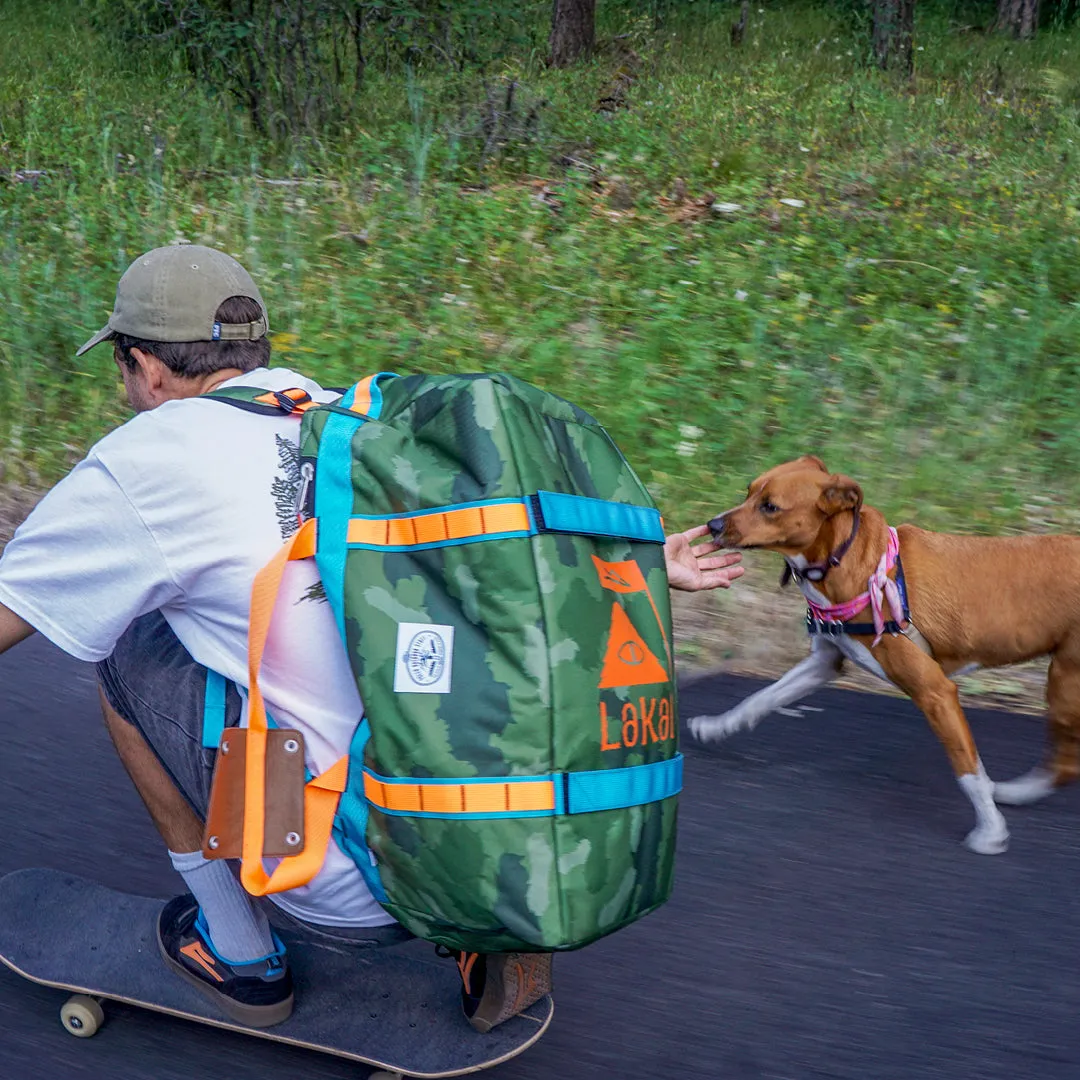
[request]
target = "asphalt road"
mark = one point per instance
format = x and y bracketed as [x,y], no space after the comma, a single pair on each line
[826,921]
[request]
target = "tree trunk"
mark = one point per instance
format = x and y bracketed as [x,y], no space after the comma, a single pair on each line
[894,27]
[1019,17]
[573,31]
[359,25]
[738,29]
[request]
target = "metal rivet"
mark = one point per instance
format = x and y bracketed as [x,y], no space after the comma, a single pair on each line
[225,747]
[213,843]
[291,746]
[292,839]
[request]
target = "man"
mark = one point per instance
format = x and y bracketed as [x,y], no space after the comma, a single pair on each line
[142,561]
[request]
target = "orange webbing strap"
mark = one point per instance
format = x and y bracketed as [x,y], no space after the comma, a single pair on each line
[321,795]
[361,402]
[439,526]
[519,796]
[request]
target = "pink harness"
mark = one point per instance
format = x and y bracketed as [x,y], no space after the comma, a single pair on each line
[880,588]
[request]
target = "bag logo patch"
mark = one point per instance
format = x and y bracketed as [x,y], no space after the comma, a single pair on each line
[425,654]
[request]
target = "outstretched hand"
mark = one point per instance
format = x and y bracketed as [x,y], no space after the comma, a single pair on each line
[694,567]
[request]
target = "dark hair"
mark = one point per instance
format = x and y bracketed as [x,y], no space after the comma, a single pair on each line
[191,359]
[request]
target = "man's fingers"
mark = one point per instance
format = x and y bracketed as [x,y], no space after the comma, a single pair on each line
[718,562]
[721,579]
[696,532]
[706,547]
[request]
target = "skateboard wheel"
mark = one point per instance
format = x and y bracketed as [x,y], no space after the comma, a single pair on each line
[81,1016]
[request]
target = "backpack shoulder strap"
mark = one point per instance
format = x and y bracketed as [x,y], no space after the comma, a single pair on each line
[292,402]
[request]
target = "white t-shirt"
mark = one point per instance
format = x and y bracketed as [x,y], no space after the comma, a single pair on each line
[177,510]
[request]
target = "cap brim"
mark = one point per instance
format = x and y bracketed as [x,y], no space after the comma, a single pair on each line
[103,334]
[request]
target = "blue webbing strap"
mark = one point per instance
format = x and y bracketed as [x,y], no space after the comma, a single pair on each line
[353,809]
[213,720]
[334,494]
[575,792]
[616,789]
[599,517]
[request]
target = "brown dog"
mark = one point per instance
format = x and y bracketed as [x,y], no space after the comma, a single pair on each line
[970,602]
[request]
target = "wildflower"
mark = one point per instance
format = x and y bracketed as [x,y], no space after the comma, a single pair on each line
[741,294]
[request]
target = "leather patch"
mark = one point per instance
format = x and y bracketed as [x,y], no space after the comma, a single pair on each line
[285,780]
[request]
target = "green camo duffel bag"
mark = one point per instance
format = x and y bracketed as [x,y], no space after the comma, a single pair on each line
[497,573]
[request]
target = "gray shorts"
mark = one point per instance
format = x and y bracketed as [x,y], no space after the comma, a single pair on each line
[153,683]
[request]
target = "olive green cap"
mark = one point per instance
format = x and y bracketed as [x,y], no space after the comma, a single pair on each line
[173,293]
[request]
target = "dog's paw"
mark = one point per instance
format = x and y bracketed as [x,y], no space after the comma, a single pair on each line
[988,839]
[1026,789]
[715,728]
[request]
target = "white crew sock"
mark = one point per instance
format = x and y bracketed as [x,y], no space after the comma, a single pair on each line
[238,930]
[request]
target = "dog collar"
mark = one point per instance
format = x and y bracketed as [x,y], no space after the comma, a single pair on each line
[881,590]
[816,572]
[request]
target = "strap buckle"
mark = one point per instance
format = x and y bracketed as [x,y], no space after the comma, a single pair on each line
[291,401]
[820,626]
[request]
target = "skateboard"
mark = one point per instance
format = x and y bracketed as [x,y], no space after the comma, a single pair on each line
[394,1009]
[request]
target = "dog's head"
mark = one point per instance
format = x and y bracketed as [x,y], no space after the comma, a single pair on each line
[786,507]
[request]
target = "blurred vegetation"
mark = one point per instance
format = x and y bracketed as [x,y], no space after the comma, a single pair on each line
[731,255]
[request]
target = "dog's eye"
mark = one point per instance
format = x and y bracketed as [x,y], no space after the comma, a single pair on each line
[767,507]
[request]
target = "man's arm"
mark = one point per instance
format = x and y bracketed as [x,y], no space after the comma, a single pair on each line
[13,629]
[692,568]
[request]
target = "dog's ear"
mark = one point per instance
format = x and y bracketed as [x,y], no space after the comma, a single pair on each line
[813,459]
[839,493]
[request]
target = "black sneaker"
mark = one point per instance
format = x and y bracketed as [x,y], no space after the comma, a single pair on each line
[256,994]
[497,986]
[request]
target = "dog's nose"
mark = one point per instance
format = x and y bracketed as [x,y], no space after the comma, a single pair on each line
[716,527]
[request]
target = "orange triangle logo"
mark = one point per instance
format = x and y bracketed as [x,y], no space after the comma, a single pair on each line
[628,661]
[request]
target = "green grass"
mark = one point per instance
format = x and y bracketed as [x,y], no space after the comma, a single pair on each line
[915,321]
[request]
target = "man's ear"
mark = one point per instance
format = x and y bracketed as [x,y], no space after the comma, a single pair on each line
[153,370]
[839,493]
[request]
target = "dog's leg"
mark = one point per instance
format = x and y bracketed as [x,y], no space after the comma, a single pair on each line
[820,667]
[1063,700]
[938,698]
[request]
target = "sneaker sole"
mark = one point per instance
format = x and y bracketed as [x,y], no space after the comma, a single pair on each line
[514,982]
[254,1016]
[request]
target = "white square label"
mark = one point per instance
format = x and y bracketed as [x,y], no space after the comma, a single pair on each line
[425,656]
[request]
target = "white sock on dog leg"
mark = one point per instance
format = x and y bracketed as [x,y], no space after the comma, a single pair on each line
[1029,788]
[990,835]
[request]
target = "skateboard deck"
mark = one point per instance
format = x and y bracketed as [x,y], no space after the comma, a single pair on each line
[393,1009]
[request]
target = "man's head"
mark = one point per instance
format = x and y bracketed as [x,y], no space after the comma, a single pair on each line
[185,316]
